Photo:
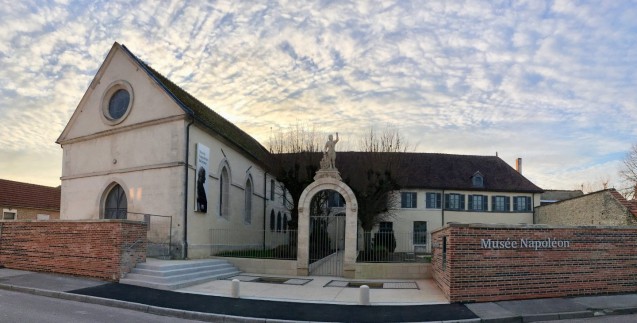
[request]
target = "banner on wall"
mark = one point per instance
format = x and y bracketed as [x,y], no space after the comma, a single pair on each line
[201,189]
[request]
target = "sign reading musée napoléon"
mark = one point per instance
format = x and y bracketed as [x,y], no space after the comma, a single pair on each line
[522,243]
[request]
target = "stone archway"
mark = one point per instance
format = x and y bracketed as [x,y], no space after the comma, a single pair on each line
[351,224]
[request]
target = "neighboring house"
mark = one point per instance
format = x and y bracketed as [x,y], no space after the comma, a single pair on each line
[24,201]
[606,208]
[139,147]
[552,196]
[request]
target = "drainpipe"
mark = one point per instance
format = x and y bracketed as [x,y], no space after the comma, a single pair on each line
[192,120]
[533,208]
[265,203]
[442,207]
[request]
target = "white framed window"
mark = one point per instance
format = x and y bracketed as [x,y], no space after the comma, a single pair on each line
[420,232]
[408,200]
[522,204]
[9,214]
[433,200]
[500,203]
[454,201]
[478,203]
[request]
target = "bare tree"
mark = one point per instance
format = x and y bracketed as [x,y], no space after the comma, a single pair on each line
[629,173]
[296,154]
[602,183]
[375,190]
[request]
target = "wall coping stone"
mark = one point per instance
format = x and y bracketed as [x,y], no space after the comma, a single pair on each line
[528,226]
[74,221]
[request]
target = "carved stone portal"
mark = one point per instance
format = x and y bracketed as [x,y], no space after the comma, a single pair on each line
[327,181]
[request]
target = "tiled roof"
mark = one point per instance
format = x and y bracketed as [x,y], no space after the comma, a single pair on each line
[207,116]
[24,195]
[437,171]
[630,205]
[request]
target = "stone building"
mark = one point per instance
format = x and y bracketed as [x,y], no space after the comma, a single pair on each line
[139,147]
[24,201]
[602,208]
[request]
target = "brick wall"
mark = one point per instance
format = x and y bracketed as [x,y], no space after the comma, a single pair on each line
[599,208]
[575,261]
[104,249]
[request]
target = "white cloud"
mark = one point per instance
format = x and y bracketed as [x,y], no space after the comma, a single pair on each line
[551,81]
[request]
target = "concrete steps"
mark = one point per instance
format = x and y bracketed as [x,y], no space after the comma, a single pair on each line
[175,274]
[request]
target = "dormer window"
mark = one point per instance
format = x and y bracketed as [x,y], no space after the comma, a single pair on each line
[477,180]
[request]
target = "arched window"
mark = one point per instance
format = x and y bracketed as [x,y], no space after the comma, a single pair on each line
[248,202]
[224,192]
[285,223]
[278,222]
[272,220]
[116,204]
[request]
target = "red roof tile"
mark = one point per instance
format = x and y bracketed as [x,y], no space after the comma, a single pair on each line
[630,205]
[25,195]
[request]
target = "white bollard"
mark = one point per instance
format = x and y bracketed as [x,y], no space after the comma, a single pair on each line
[235,288]
[363,298]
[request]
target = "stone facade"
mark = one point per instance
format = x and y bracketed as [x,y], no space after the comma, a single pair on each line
[151,153]
[106,249]
[607,208]
[484,263]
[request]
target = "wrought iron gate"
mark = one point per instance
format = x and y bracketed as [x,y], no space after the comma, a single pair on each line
[327,245]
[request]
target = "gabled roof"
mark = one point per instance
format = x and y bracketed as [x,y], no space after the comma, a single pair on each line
[436,171]
[24,195]
[630,205]
[206,116]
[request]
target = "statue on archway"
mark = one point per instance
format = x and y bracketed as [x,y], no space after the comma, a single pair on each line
[329,153]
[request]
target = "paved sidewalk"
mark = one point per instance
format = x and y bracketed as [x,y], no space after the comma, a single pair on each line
[191,303]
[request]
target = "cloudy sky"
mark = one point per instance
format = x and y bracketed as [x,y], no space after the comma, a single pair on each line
[552,82]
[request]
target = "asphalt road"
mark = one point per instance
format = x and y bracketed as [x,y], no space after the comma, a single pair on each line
[27,308]
[601,319]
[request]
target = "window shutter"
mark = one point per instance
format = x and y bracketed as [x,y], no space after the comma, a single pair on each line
[493,205]
[403,203]
[515,203]
[471,202]
[485,203]
[446,201]
[438,200]
[507,203]
[414,200]
[528,204]
[462,201]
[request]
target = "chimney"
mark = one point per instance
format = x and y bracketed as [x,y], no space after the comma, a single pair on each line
[518,165]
